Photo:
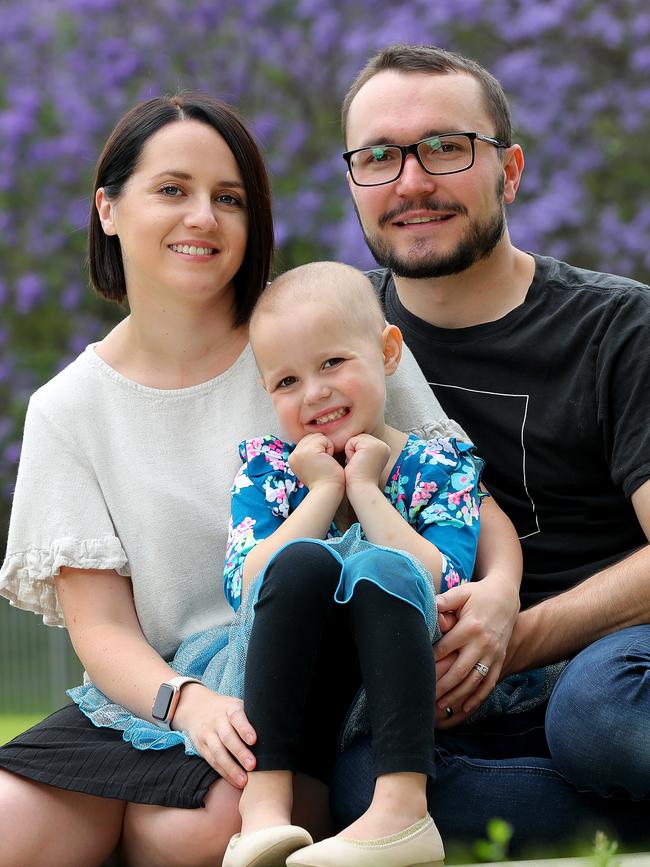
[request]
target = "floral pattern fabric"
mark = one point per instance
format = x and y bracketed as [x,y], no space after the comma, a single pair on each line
[433,485]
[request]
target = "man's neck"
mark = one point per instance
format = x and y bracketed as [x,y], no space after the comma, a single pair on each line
[487,291]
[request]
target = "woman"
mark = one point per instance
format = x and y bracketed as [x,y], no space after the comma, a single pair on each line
[120,513]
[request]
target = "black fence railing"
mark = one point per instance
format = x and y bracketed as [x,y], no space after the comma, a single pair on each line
[37,664]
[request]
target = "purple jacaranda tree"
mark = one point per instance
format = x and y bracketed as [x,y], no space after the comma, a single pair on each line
[577,73]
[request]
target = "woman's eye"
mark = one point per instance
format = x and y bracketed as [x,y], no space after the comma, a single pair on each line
[230,200]
[333,362]
[171,191]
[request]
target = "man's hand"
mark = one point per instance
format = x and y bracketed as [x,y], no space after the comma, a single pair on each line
[486,614]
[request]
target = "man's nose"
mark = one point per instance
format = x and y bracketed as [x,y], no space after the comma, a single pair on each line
[414,179]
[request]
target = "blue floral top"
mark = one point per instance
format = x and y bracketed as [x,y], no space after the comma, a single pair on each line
[433,485]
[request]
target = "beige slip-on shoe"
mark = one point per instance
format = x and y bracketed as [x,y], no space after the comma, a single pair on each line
[417,846]
[267,848]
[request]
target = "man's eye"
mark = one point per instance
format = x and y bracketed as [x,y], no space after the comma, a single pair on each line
[378,155]
[333,362]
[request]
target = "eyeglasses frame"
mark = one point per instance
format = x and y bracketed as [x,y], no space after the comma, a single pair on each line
[413,149]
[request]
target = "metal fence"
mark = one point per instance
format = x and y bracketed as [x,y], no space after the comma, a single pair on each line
[37,664]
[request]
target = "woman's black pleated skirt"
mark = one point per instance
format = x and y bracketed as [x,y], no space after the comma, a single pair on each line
[67,751]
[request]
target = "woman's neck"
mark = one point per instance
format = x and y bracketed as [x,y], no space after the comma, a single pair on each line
[173,348]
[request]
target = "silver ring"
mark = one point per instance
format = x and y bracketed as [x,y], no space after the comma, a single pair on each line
[449,711]
[483,670]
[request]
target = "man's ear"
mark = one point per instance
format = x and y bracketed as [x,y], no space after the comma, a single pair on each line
[392,342]
[105,210]
[513,168]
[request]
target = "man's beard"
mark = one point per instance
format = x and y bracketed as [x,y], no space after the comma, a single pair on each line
[479,242]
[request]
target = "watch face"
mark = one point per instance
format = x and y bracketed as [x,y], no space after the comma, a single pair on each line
[163,702]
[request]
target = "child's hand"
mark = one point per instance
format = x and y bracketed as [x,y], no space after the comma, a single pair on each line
[313,462]
[366,458]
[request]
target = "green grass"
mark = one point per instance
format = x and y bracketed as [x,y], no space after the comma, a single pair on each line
[11,724]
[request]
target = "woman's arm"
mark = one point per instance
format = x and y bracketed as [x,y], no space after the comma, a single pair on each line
[104,629]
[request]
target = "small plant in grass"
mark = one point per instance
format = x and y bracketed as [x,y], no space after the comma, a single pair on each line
[604,851]
[495,847]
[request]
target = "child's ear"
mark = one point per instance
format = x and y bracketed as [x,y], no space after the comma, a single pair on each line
[392,342]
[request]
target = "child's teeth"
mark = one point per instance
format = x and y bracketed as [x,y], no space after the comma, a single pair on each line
[332,416]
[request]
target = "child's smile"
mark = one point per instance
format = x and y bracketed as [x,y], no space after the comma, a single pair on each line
[329,376]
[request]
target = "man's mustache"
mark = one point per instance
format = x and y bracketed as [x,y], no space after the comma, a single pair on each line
[424,205]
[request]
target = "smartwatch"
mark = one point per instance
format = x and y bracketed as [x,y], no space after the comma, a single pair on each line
[169,693]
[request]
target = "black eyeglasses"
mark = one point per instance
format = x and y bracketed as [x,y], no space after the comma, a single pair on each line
[443,154]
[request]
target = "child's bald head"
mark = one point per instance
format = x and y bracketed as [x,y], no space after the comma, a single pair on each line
[346,292]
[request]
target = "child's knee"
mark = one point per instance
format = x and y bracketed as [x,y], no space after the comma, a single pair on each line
[304,569]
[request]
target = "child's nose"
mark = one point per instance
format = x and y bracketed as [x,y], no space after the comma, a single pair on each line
[316,391]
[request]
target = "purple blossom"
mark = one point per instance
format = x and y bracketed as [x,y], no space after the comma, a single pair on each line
[30,290]
[576,73]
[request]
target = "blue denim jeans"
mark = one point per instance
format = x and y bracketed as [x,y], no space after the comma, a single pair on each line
[580,764]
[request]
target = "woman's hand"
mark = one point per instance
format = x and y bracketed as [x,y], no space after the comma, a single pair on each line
[219,729]
[485,612]
[366,458]
[313,462]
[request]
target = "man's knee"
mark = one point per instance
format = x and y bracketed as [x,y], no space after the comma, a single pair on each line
[597,719]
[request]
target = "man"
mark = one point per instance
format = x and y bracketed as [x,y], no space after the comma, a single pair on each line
[547,367]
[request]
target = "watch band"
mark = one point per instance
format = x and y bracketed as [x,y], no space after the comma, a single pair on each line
[167,698]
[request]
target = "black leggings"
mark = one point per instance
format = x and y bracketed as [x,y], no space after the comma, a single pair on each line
[308,656]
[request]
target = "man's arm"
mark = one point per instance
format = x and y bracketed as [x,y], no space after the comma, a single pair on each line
[611,600]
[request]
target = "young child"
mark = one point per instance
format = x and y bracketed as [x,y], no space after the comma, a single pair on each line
[349,525]
[339,538]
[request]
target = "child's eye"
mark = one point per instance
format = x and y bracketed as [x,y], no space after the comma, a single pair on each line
[286,382]
[333,362]
[171,191]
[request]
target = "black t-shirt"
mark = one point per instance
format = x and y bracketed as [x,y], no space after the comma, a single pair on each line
[556,397]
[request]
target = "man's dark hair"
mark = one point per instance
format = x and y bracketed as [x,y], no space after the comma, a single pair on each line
[119,159]
[436,61]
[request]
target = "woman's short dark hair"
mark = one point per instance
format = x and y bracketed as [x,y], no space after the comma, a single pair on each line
[119,159]
[435,61]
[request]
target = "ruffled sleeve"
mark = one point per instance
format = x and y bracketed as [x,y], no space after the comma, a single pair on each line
[59,518]
[264,492]
[436,489]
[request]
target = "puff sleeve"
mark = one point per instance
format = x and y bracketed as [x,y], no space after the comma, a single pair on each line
[59,518]
[439,496]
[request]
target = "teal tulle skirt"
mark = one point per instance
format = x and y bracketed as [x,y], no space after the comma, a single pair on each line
[217,657]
